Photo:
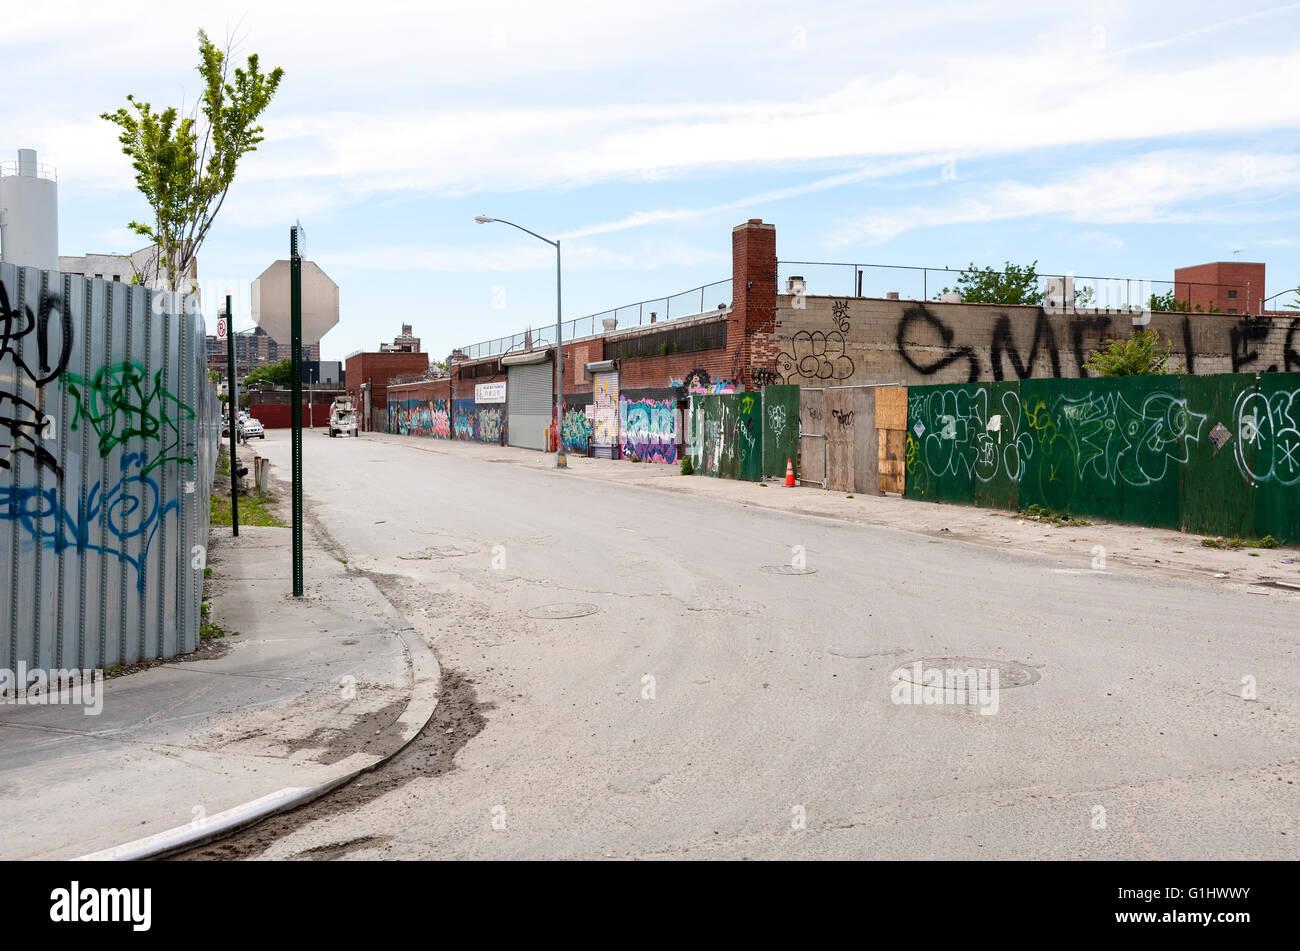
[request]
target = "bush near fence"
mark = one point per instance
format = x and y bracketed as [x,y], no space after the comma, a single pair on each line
[1218,455]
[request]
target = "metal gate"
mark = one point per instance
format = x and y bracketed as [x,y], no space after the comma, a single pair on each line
[604,422]
[812,436]
[529,404]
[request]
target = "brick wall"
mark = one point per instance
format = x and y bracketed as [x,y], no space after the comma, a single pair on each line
[832,341]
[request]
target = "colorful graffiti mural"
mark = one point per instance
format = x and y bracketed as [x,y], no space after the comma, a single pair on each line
[491,425]
[575,430]
[648,429]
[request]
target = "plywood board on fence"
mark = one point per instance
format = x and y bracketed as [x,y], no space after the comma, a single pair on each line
[891,407]
[866,441]
[839,440]
[891,442]
[890,463]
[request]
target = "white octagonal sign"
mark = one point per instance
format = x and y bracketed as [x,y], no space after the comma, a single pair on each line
[320,303]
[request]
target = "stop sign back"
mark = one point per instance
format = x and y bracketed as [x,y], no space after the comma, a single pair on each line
[320,303]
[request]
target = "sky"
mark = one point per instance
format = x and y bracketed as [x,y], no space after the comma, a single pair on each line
[1114,139]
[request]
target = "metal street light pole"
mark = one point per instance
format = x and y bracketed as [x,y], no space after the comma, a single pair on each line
[558,409]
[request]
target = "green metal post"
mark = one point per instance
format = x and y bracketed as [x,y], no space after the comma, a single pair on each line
[295,364]
[232,402]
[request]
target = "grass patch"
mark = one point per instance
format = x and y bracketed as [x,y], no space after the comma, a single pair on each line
[1038,513]
[253,510]
[1268,541]
[223,463]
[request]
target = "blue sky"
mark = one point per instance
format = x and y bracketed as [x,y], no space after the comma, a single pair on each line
[1100,138]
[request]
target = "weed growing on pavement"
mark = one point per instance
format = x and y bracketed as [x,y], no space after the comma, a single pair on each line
[687,468]
[1268,541]
[1038,513]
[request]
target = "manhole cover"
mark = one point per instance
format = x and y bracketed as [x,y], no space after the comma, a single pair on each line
[863,650]
[1010,672]
[564,609]
[788,570]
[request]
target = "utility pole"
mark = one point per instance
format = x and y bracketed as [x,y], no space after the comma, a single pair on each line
[295,369]
[232,394]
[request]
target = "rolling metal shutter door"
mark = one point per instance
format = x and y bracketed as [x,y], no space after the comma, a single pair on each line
[529,404]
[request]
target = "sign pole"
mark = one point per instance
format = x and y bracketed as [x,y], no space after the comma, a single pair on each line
[232,413]
[295,365]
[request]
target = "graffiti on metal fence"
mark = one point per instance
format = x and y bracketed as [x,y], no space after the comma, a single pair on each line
[648,430]
[130,509]
[52,340]
[956,432]
[120,402]
[1268,436]
[1105,437]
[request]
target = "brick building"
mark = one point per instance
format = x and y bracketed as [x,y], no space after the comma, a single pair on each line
[372,372]
[1234,287]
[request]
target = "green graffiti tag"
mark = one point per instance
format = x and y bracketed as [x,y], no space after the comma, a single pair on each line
[120,403]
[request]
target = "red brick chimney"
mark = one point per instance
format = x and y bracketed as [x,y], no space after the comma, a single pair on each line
[753,290]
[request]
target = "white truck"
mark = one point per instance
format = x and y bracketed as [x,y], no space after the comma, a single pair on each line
[343,417]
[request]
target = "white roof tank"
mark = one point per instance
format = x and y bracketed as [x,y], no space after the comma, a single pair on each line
[29,213]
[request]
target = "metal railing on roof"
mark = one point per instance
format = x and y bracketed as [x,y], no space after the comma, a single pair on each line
[691,303]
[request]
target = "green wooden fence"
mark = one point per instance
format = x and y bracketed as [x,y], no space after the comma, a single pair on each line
[1210,454]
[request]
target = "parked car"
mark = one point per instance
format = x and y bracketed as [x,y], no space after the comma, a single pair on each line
[250,428]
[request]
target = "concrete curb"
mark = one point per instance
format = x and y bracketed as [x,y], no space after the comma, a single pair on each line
[426,687]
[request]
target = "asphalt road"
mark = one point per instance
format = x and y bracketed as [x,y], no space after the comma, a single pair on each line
[711,708]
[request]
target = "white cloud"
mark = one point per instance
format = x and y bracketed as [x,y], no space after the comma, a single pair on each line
[1153,187]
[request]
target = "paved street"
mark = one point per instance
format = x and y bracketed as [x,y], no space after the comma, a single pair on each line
[710,708]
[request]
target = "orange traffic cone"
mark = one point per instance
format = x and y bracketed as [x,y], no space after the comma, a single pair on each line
[789,473]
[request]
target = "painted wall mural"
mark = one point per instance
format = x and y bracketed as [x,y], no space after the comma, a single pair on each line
[108,440]
[575,429]
[648,429]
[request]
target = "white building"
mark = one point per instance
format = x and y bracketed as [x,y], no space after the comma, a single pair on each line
[140,267]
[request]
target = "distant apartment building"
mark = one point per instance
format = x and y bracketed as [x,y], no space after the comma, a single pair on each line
[254,348]
[402,343]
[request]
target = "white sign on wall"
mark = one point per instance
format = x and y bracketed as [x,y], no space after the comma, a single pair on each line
[490,393]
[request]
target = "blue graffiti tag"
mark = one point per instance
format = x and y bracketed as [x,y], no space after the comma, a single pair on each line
[135,497]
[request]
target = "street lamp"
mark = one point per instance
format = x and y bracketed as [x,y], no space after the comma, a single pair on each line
[559,337]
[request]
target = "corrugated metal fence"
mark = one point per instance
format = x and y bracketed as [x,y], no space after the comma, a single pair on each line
[108,440]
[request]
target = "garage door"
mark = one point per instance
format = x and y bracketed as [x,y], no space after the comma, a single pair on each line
[528,401]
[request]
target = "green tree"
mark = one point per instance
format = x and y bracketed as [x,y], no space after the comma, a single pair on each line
[183,166]
[1012,285]
[273,374]
[1168,302]
[1138,355]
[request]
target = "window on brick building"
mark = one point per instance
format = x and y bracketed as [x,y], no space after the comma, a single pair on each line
[1232,295]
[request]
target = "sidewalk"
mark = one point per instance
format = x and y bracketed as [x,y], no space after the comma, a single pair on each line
[1126,547]
[178,744]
